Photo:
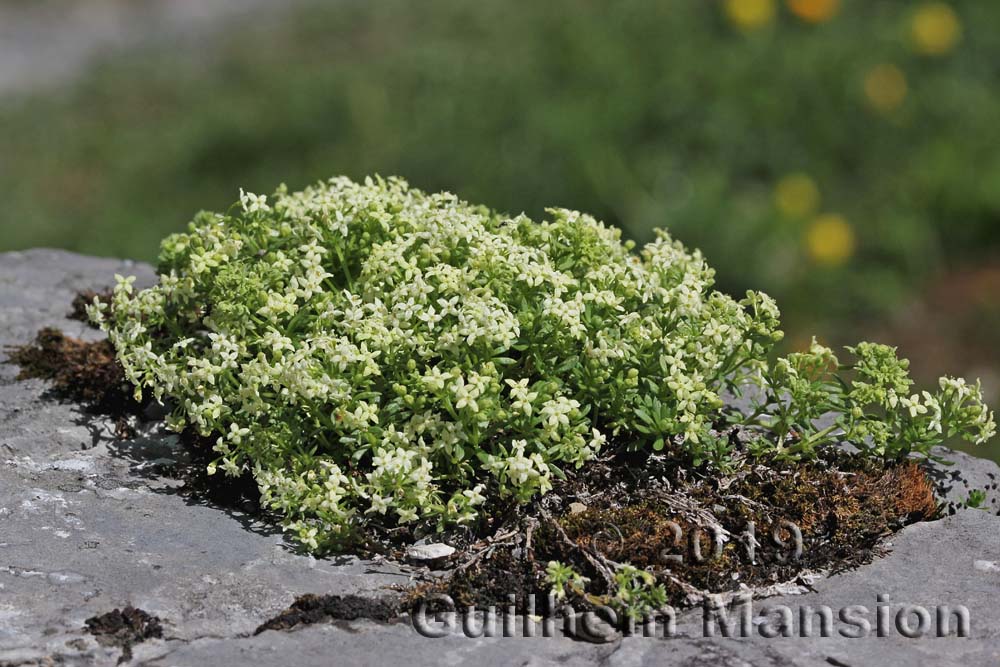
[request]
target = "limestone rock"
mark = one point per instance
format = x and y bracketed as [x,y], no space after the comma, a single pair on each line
[89,524]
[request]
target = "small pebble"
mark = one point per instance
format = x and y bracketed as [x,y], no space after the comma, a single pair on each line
[429,551]
[986,566]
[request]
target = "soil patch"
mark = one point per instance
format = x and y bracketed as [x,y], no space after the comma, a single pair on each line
[124,628]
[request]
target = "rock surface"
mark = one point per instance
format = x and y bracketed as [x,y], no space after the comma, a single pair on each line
[88,524]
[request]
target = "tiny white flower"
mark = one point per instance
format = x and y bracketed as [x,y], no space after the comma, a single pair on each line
[253,203]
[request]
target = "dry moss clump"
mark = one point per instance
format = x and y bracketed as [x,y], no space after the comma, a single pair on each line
[79,370]
[310,609]
[124,628]
[694,535]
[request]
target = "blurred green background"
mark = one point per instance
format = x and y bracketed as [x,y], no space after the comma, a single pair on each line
[842,155]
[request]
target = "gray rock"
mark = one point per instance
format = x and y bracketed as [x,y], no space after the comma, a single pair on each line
[88,524]
[966,474]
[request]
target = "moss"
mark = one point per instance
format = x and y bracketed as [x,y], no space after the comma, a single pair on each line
[310,609]
[124,628]
[841,512]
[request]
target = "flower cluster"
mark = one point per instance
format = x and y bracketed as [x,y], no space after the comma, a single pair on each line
[370,352]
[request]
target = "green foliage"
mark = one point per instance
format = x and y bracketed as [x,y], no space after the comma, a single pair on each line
[976,499]
[370,351]
[637,592]
[645,113]
[633,591]
[563,578]
[873,409]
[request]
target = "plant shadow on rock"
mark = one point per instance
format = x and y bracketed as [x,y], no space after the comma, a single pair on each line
[86,374]
[645,509]
[951,481]
[81,372]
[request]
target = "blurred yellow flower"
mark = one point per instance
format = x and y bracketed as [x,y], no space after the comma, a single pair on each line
[885,87]
[935,29]
[750,14]
[830,240]
[814,11]
[796,195]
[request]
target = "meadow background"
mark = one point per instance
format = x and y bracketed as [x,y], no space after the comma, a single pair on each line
[843,156]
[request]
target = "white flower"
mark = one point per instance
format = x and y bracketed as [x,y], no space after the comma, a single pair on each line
[934,406]
[124,284]
[231,468]
[958,386]
[467,393]
[522,397]
[435,379]
[556,412]
[597,439]
[236,434]
[406,514]
[308,537]
[475,495]
[380,504]
[913,405]
[253,203]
